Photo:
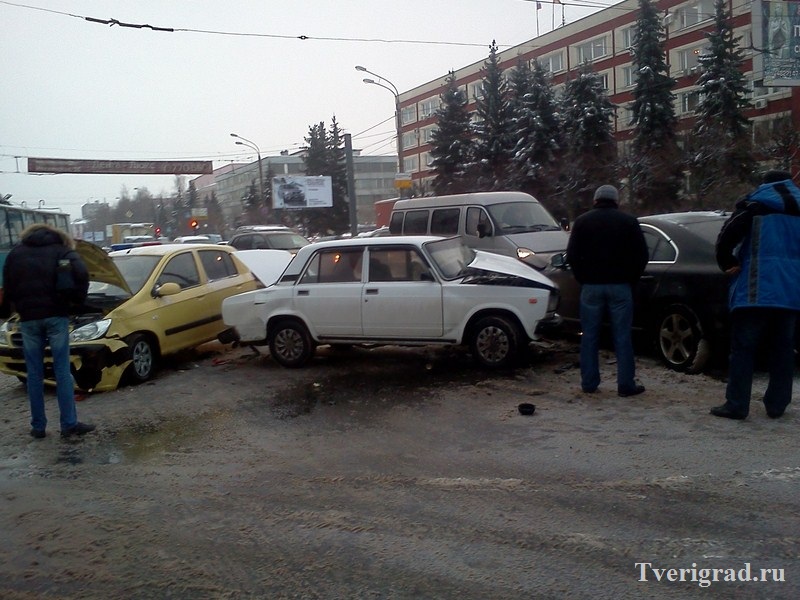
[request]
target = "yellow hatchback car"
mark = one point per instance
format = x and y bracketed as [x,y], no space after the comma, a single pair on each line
[144,303]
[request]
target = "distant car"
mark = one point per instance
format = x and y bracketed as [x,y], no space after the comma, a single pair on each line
[269,237]
[681,304]
[144,303]
[193,239]
[395,290]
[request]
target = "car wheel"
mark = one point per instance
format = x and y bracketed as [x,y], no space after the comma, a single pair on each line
[143,358]
[679,339]
[495,342]
[290,344]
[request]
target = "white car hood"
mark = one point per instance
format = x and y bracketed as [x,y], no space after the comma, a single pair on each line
[499,263]
[267,265]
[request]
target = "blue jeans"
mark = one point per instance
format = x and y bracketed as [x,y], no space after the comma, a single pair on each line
[36,336]
[617,300]
[750,327]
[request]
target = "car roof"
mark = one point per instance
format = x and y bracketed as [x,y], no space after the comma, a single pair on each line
[164,249]
[260,228]
[682,218]
[482,198]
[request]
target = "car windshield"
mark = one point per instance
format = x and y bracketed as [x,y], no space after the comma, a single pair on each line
[521,217]
[287,241]
[136,269]
[451,255]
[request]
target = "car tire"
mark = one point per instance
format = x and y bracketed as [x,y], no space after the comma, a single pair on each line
[144,358]
[679,339]
[495,342]
[290,344]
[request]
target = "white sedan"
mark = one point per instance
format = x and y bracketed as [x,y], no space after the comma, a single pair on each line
[395,290]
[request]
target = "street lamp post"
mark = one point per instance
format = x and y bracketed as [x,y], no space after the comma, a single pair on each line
[245,142]
[398,124]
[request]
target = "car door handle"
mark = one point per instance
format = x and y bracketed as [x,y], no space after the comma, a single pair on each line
[302,292]
[371,291]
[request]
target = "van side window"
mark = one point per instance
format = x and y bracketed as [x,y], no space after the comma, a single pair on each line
[416,222]
[476,216]
[396,223]
[444,221]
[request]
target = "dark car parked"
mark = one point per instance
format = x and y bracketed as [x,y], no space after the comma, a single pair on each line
[681,302]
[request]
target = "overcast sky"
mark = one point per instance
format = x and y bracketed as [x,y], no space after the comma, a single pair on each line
[76,89]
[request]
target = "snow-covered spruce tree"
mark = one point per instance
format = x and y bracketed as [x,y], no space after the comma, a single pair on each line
[590,157]
[656,169]
[325,156]
[722,164]
[537,131]
[451,142]
[494,143]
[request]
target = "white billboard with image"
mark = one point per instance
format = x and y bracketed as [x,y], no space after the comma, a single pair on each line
[302,192]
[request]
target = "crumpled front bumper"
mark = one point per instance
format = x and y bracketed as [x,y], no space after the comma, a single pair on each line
[96,366]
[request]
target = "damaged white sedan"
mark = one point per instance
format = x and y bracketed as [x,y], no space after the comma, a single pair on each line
[399,290]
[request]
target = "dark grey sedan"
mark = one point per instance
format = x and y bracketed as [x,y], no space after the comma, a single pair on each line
[681,302]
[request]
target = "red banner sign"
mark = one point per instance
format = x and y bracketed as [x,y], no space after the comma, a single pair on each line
[119,167]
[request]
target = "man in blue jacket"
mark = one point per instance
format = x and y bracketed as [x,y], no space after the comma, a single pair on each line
[760,246]
[30,276]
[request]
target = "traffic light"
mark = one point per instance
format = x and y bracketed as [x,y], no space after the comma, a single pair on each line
[158,231]
[193,224]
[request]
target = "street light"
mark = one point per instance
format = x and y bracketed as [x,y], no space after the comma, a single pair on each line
[393,89]
[245,142]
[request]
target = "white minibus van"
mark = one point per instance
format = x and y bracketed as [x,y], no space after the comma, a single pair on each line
[510,223]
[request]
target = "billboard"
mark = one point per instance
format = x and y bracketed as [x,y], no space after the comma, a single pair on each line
[776,37]
[117,167]
[302,192]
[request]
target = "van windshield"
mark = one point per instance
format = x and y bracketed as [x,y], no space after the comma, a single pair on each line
[521,217]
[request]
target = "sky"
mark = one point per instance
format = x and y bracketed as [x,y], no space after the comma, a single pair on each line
[76,89]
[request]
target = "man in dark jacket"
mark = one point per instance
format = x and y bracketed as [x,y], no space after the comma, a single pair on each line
[760,246]
[29,285]
[608,254]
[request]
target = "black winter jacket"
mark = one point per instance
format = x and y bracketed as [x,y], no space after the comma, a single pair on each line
[606,245]
[29,273]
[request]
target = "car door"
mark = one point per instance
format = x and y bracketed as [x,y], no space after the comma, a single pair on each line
[663,254]
[182,317]
[328,294]
[401,298]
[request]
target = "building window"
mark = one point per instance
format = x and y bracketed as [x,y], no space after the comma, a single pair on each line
[604,79]
[553,63]
[629,76]
[687,58]
[591,51]
[408,114]
[426,134]
[628,37]
[411,164]
[410,139]
[625,117]
[475,90]
[428,107]
[427,159]
[695,13]
[689,101]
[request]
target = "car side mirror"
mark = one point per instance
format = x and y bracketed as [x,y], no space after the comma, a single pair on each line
[484,230]
[559,261]
[166,289]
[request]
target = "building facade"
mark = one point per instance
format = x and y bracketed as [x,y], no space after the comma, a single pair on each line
[373,175]
[605,39]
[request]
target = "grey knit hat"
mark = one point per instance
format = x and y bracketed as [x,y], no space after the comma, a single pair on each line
[606,192]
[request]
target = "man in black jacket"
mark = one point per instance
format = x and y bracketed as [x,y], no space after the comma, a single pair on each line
[608,255]
[29,285]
